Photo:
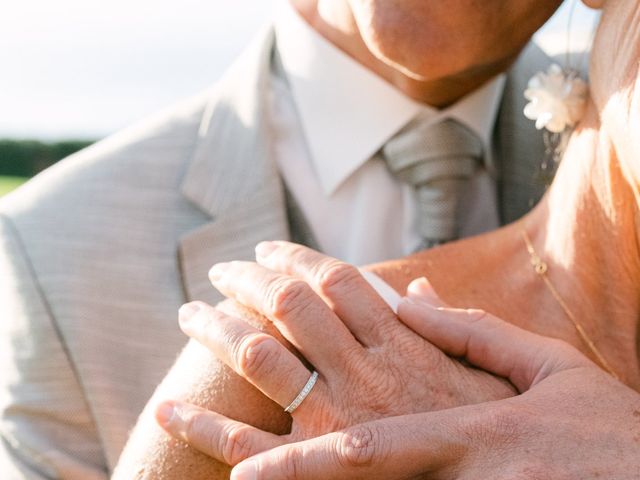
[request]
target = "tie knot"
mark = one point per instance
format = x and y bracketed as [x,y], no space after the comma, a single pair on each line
[423,152]
[438,160]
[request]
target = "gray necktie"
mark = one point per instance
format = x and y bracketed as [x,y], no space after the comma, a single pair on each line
[438,160]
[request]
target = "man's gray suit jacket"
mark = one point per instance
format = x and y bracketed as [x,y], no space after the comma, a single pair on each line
[98,253]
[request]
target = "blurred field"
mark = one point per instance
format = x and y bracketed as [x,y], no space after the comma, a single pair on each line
[10,183]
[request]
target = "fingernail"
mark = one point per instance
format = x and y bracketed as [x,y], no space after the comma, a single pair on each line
[218,271]
[408,301]
[188,311]
[416,302]
[419,286]
[245,471]
[165,413]
[264,249]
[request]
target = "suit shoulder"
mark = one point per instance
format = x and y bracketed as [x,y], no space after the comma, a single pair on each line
[534,58]
[531,61]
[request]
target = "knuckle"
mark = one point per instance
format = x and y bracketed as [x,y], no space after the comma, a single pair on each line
[479,317]
[257,355]
[565,351]
[477,320]
[288,296]
[360,446]
[292,468]
[508,424]
[500,427]
[337,275]
[199,433]
[214,315]
[298,254]
[382,390]
[531,470]
[235,444]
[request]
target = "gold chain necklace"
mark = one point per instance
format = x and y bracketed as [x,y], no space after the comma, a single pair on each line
[541,268]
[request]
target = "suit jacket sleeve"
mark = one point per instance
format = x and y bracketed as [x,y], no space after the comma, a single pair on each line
[46,428]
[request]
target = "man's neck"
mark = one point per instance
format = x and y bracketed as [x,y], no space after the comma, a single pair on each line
[335,22]
[590,232]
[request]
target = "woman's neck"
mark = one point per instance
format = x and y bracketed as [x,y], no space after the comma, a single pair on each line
[586,229]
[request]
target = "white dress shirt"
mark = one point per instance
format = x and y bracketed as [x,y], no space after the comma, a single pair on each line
[329,119]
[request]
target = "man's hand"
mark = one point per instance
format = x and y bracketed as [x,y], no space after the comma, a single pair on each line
[571,421]
[371,365]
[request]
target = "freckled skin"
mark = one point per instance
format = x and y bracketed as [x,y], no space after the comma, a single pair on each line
[198,377]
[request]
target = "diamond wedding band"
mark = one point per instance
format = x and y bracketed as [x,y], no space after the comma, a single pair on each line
[303,393]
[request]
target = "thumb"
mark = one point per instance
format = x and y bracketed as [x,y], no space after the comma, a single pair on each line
[213,434]
[395,447]
[487,342]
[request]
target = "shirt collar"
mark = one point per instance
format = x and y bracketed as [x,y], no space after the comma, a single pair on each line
[347,112]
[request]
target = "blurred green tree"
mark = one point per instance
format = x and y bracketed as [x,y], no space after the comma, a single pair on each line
[25,158]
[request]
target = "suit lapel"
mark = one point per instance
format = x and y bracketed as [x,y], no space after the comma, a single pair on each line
[230,237]
[520,147]
[232,176]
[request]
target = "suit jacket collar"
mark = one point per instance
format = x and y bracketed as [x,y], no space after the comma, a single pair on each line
[232,176]
[520,148]
[231,161]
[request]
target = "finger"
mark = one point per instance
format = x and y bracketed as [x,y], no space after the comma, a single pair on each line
[252,354]
[489,343]
[421,289]
[298,313]
[214,435]
[341,285]
[396,447]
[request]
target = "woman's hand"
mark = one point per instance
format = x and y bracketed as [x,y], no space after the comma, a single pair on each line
[371,365]
[572,420]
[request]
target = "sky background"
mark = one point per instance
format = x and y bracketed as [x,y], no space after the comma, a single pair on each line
[86,68]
